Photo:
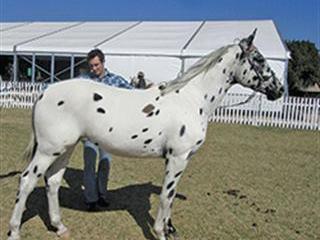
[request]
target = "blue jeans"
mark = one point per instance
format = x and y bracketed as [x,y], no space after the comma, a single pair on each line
[95,185]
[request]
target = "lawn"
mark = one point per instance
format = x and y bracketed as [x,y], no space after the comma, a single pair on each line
[244,183]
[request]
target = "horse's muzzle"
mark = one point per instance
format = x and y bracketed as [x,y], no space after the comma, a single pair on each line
[273,95]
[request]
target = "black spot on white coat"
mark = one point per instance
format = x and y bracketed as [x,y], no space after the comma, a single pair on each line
[148,108]
[182,130]
[170,185]
[148,141]
[97,97]
[25,174]
[171,193]
[150,114]
[101,110]
[178,174]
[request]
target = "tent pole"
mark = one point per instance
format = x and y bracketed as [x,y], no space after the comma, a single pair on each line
[52,68]
[72,66]
[33,67]
[182,65]
[15,67]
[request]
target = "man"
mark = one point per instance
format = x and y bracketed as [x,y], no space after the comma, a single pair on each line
[95,185]
[140,81]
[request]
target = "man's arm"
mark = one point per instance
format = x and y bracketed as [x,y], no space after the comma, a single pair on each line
[119,81]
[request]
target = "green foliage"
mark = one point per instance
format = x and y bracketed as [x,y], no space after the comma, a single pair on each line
[304,65]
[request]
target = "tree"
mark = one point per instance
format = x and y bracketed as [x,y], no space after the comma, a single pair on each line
[304,65]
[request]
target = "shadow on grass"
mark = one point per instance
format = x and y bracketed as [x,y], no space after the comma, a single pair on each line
[132,198]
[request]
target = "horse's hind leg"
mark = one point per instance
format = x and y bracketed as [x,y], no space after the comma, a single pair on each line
[175,166]
[28,181]
[53,179]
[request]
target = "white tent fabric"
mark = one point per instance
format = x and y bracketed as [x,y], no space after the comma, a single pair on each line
[80,38]
[155,38]
[14,37]
[160,49]
[10,25]
[214,35]
[156,68]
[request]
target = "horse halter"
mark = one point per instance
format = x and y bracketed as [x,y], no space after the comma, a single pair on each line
[259,75]
[246,53]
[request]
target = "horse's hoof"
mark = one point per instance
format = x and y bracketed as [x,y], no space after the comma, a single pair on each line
[65,235]
[175,236]
[12,236]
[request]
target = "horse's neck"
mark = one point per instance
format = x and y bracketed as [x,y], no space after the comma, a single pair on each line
[211,86]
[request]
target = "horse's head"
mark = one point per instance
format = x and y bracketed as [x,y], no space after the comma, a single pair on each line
[254,71]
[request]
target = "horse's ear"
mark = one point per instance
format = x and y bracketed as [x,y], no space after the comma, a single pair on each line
[251,37]
[246,43]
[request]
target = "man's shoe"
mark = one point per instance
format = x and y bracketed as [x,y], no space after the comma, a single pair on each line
[92,206]
[103,203]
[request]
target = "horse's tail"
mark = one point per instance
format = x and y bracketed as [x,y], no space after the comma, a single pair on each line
[31,148]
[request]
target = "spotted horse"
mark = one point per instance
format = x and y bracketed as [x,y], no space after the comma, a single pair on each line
[166,120]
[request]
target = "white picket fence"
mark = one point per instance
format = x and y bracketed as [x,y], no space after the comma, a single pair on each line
[19,94]
[288,112]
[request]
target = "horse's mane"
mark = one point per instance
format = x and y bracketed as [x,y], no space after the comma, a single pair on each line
[203,64]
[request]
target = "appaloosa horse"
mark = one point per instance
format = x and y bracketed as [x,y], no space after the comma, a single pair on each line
[168,120]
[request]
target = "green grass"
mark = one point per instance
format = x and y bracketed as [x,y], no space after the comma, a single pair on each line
[244,183]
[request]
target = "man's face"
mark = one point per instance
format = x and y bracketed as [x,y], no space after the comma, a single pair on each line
[96,66]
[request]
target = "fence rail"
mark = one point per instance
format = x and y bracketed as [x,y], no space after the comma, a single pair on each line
[288,112]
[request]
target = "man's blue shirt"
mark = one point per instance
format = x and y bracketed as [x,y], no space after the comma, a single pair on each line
[109,79]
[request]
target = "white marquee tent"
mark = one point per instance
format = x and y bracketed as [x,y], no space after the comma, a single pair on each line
[160,49]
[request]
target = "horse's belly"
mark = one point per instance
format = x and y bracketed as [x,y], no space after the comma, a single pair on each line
[132,150]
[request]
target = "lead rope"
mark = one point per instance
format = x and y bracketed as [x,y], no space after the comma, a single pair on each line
[240,103]
[211,116]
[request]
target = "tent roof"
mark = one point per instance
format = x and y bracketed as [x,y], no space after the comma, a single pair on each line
[138,38]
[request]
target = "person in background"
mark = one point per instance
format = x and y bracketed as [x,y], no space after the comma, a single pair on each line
[95,183]
[140,81]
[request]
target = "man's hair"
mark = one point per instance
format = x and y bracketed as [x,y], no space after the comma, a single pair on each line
[140,74]
[95,52]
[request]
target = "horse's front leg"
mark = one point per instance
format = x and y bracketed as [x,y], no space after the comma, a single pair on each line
[175,166]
